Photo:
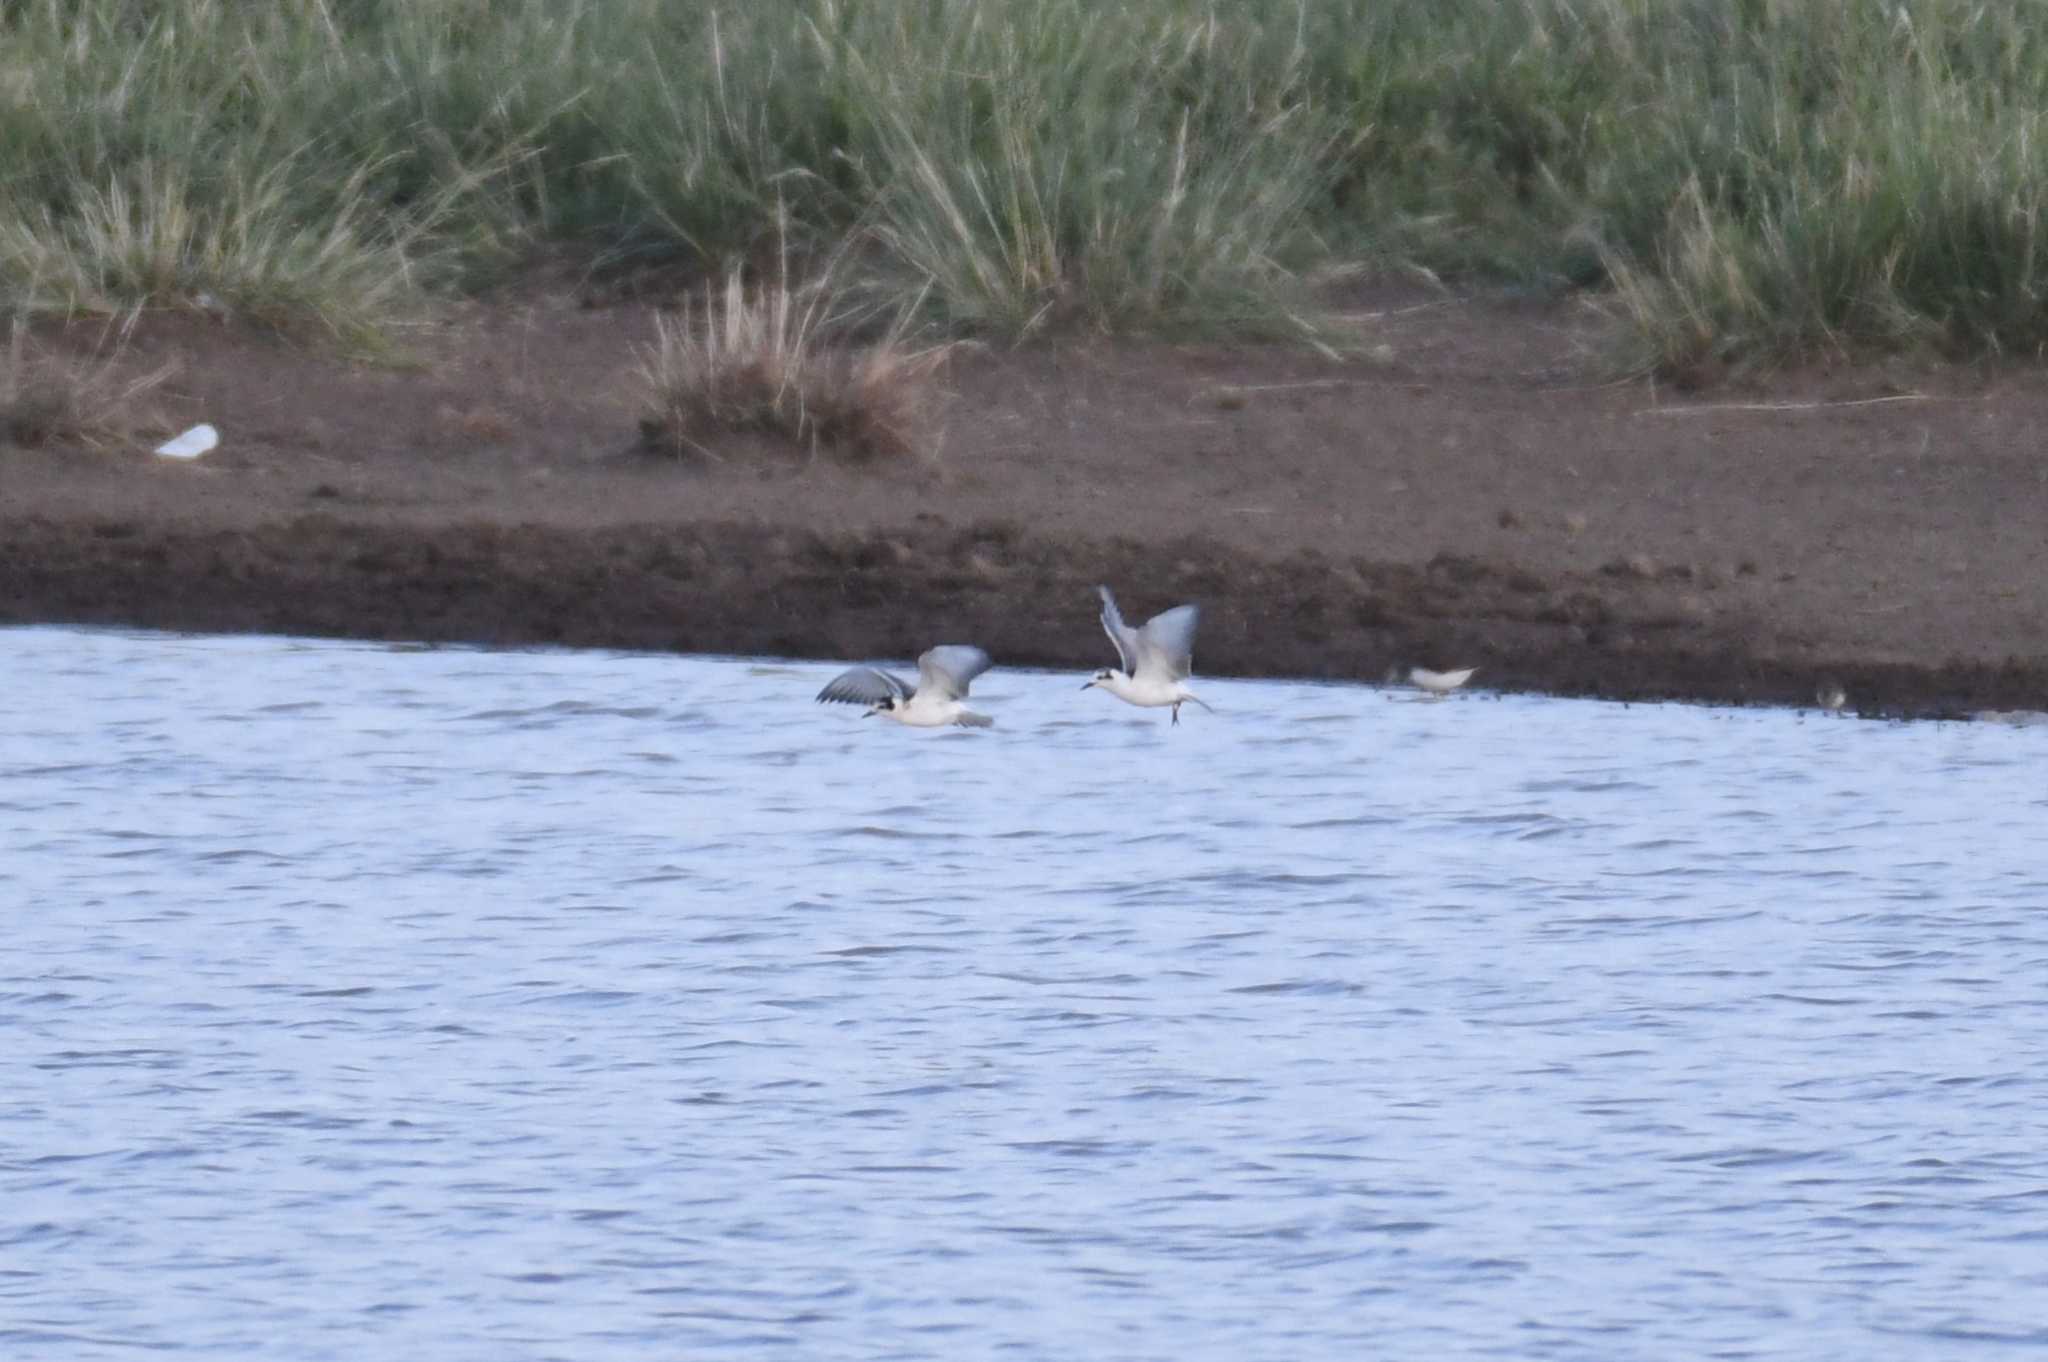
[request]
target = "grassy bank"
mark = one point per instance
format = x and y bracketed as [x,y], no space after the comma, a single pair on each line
[1747,178]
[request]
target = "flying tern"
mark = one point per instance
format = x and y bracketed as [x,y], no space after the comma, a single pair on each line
[1156,658]
[943,675]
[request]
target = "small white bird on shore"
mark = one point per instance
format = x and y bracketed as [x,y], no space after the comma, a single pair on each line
[943,675]
[2016,718]
[1156,658]
[1439,684]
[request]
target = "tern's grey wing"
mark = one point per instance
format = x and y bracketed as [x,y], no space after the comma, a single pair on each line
[863,686]
[1122,635]
[1167,642]
[946,671]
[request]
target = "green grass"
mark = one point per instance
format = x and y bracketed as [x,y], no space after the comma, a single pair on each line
[1745,179]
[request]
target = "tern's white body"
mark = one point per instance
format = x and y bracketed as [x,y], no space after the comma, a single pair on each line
[1151,692]
[943,675]
[1156,658]
[1440,683]
[929,711]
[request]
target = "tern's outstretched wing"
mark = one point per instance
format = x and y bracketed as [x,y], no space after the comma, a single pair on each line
[1122,635]
[1166,645]
[946,671]
[863,686]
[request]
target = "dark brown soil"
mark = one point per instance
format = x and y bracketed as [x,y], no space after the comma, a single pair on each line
[1466,496]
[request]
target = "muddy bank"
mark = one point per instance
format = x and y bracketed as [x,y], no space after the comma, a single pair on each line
[749,589]
[1459,494]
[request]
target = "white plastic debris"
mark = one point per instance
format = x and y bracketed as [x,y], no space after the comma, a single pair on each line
[191,444]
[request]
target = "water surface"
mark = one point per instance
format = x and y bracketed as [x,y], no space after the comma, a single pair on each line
[369,1002]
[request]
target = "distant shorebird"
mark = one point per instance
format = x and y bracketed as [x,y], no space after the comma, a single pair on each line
[1439,684]
[1830,696]
[943,675]
[1156,658]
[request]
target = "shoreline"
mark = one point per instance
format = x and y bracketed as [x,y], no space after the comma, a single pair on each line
[741,590]
[1461,499]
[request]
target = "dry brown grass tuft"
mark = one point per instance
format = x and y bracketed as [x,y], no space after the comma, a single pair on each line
[48,400]
[761,362]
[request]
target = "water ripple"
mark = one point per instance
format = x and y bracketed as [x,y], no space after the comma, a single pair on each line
[536,1020]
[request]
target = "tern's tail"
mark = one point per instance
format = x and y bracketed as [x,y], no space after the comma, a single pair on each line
[1191,696]
[969,719]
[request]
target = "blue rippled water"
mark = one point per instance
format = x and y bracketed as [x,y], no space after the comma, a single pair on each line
[367,1002]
